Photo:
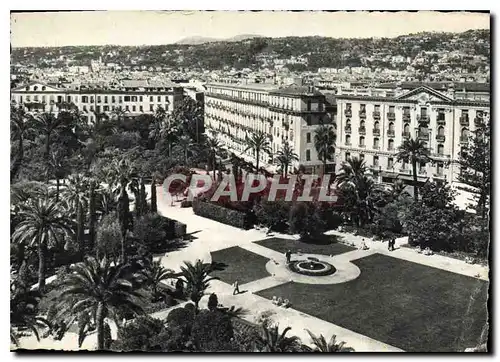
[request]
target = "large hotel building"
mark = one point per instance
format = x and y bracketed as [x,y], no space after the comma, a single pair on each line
[133,97]
[288,114]
[373,123]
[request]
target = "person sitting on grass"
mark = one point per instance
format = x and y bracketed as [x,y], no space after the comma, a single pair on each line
[363,245]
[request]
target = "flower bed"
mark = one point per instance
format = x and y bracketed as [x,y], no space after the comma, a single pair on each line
[312,268]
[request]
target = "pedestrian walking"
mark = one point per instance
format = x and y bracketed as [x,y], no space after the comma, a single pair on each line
[236,288]
[288,256]
[393,243]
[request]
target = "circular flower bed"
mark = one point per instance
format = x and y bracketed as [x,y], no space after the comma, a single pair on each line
[312,267]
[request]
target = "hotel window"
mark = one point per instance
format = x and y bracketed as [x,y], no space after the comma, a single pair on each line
[391,127]
[20,99]
[308,155]
[120,99]
[377,107]
[28,99]
[159,98]
[98,99]
[348,106]
[85,99]
[465,133]
[390,162]
[127,98]
[140,98]
[151,108]
[362,107]
[113,99]
[44,98]
[375,143]
[308,137]
[106,108]
[361,157]
[68,98]
[166,107]
[133,108]
[347,139]
[441,131]
[35,98]
[406,128]
[391,109]
[308,104]
[151,99]
[375,161]
[440,149]
[440,115]
[105,99]
[406,110]
[308,119]
[347,156]
[423,111]
[127,109]
[85,108]
[141,109]
[134,98]
[440,168]
[390,145]
[376,125]
[91,99]
[361,141]
[98,109]
[92,108]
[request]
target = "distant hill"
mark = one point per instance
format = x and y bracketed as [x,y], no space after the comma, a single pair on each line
[196,40]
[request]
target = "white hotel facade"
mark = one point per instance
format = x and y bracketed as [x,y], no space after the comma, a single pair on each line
[287,115]
[373,123]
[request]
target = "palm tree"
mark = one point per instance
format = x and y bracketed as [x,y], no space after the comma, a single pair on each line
[351,170]
[186,145]
[214,147]
[286,156]
[59,167]
[75,195]
[258,142]
[271,340]
[93,184]
[321,345]
[43,223]
[164,128]
[21,126]
[414,151]
[47,124]
[324,142]
[197,279]
[100,290]
[24,311]
[154,273]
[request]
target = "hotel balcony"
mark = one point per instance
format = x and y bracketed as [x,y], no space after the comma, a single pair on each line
[424,136]
[464,120]
[406,116]
[362,114]
[391,116]
[376,115]
[362,130]
[376,147]
[478,120]
[405,170]
[422,171]
[347,129]
[440,138]
[440,120]
[348,144]
[361,146]
[464,139]
[406,135]
[376,131]
[391,133]
[348,112]
[422,118]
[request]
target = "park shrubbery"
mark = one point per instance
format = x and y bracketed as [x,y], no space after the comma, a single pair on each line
[222,214]
[156,231]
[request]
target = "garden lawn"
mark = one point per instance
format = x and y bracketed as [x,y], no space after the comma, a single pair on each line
[328,245]
[241,265]
[407,305]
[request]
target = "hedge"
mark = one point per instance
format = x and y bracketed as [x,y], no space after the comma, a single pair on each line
[175,229]
[221,214]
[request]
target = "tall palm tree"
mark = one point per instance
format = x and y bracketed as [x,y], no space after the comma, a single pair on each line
[93,194]
[21,127]
[76,196]
[286,156]
[324,142]
[321,345]
[47,124]
[100,290]
[351,171]
[186,145]
[43,223]
[258,142]
[413,151]
[214,146]
[58,167]
[271,340]
[197,278]
[154,273]
[164,128]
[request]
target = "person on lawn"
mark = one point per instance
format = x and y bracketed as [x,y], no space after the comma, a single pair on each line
[236,288]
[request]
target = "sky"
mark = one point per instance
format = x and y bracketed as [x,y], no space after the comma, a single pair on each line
[157,27]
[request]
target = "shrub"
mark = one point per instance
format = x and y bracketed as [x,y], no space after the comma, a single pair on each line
[186,203]
[180,317]
[221,214]
[305,219]
[179,229]
[156,231]
[212,331]
[273,214]
[213,301]
[142,334]
[109,236]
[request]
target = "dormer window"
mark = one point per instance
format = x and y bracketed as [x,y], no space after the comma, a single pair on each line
[44,88]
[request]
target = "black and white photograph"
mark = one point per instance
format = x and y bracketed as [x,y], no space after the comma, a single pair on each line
[250,181]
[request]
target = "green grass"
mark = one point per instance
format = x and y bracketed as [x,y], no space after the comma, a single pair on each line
[404,304]
[241,265]
[327,246]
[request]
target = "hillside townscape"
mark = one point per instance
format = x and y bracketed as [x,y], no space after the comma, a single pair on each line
[252,194]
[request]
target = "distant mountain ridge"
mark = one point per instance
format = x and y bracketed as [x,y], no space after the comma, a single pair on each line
[196,40]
